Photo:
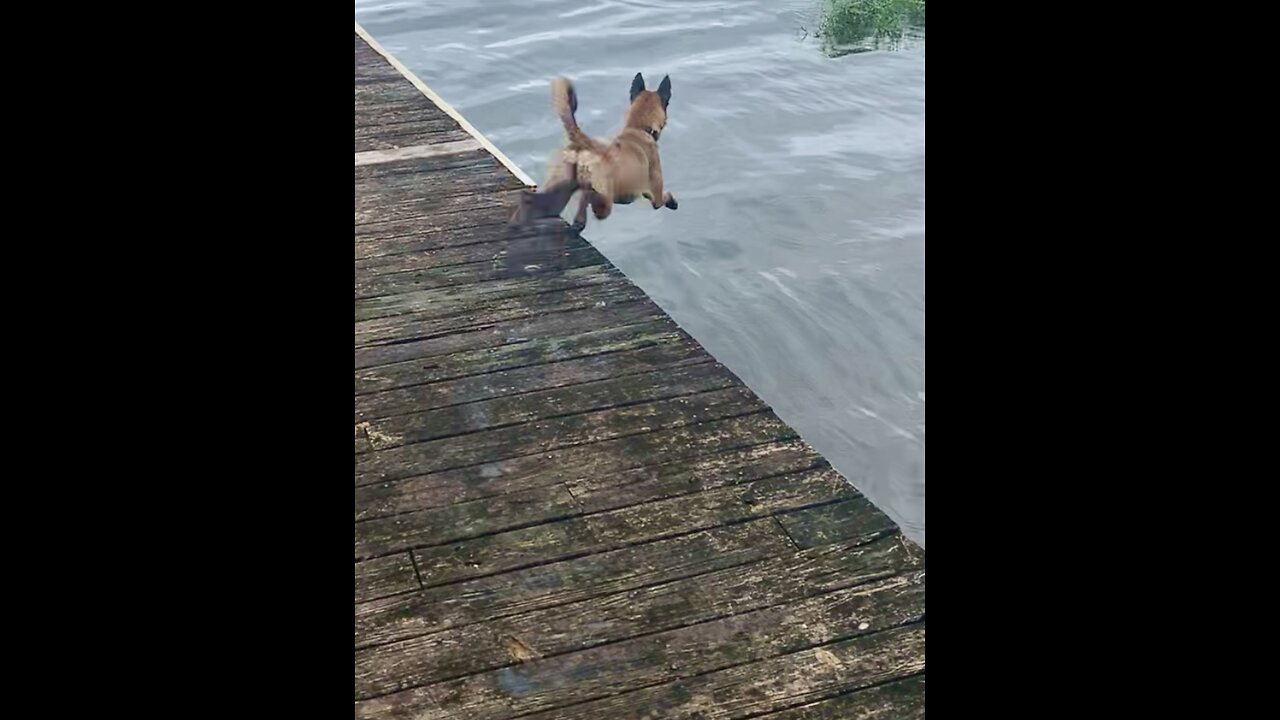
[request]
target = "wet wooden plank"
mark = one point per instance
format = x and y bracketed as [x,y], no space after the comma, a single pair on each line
[372,67]
[563,324]
[425,235]
[489,446]
[412,169]
[477,648]
[745,663]
[380,120]
[459,299]
[385,576]
[385,237]
[581,399]
[566,581]
[565,253]
[412,327]
[491,554]
[578,461]
[829,524]
[407,505]
[431,204]
[392,91]
[394,140]
[598,492]
[774,684]
[533,351]
[381,193]
[526,380]
[490,245]
[896,700]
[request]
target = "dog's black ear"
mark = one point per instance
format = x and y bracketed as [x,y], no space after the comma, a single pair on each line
[664,91]
[637,86]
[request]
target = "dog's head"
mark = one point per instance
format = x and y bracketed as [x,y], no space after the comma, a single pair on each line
[648,110]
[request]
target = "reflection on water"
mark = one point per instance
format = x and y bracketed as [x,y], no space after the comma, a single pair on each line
[797,254]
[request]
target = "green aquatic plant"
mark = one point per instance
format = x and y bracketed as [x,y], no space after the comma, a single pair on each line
[860,25]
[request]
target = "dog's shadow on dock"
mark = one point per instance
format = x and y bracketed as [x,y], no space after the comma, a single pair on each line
[538,248]
[538,240]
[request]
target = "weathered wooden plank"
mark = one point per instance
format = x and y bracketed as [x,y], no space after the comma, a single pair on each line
[565,253]
[377,193]
[414,173]
[731,466]
[830,523]
[387,523]
[756,688]
[376,120]
[423,236]
[400,118]
[756,661]
[595,492]
[405,134]
[392,91]
[488,446]
[566,581]
[491,248]
[372,67]
[896,700]
[477,648]
[527,379]
[382,238]
[489,335]
[429,205]
[392,141]
[500,552]
[414,327]
[375,96]
[456,420]
[371,119]
[535,351]
[576,461]
[451,300]
[365,75]
[453,523]
[385,576]
[438,169]
[410,169]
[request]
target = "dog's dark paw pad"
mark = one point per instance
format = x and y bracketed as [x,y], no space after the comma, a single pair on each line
[671,203]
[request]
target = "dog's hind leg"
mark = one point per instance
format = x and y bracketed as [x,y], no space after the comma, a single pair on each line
[580,219]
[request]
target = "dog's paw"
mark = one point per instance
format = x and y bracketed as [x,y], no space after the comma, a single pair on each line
[671,202]
[578,227]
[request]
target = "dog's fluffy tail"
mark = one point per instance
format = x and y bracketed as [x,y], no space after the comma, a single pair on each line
[564,100]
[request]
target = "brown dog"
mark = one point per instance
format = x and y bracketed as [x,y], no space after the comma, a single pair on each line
[617,171]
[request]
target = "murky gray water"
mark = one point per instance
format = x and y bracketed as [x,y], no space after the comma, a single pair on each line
[797,254]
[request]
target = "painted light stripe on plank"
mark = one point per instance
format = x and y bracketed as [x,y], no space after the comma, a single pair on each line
[413,152]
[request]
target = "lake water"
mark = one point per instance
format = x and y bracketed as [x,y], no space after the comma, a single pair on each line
[797,254]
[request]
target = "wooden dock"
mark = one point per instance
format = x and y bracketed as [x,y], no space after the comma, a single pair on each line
[565,508]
